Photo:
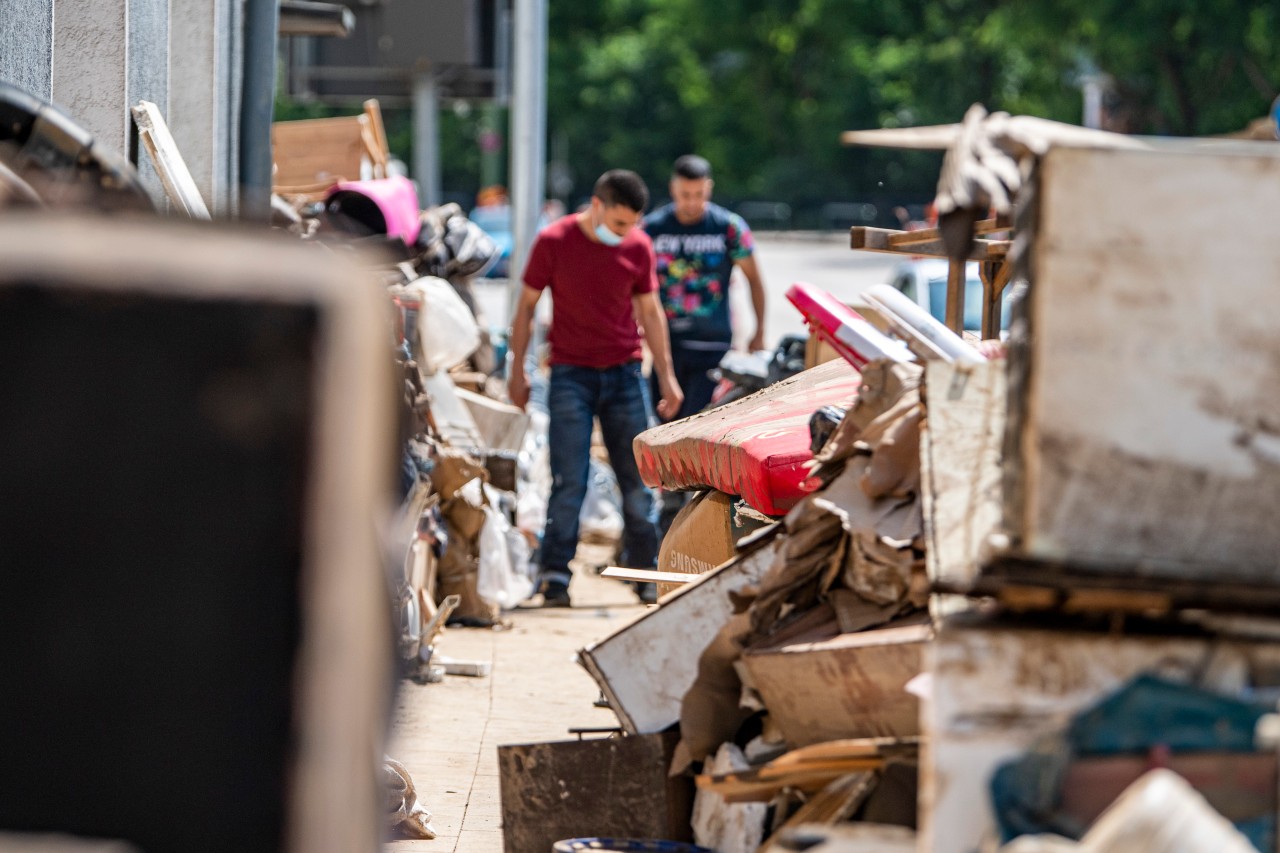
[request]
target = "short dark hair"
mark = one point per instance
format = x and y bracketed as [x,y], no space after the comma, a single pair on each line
[692,167]
[621,186]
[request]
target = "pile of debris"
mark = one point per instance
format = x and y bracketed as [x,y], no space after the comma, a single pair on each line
[1014,577]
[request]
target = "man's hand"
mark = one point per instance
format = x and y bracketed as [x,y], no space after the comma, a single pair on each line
[672,399]
[757,342]
[518,387]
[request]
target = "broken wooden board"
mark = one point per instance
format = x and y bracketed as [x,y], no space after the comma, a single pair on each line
[960,451]
[622,573]
[179,186]
[994,690]
[646,668]
[1148,438]
[612,787]
[842,686]
[311,155]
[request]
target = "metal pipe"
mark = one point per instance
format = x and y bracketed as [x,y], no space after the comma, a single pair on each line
[261,32]
[528,130]
[426,138]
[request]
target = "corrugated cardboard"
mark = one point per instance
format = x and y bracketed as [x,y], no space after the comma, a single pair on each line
[702,536]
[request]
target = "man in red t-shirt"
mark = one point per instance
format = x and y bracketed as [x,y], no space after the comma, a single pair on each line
[601,273]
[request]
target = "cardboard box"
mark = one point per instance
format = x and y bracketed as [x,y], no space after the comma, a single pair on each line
[826,686]
[703,535]
[611,787]
[646,668]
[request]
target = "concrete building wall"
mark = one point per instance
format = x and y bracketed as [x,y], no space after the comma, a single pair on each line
[90,40]
[97,58]
[204,86]
[26,45]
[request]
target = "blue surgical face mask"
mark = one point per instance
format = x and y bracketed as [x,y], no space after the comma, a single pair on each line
[606,236]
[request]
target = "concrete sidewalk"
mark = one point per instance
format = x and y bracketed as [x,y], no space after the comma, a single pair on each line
[447,734]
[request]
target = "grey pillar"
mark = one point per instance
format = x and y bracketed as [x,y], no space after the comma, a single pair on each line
[26,45]
[426,139]
[204,81]
[261,32]
[528,129]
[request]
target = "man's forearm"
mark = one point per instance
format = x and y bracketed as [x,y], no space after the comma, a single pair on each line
[751,270]
[521,333]
[654,324]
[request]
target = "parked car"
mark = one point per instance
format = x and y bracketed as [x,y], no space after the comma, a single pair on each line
[924,282]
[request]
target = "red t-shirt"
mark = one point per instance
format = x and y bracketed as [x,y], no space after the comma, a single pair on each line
[592,324]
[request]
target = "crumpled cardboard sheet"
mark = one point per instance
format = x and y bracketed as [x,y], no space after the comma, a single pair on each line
[462,505]
[887,388]
[756,447]
[855,545]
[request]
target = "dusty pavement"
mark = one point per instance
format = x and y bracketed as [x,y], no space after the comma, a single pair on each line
[447,734]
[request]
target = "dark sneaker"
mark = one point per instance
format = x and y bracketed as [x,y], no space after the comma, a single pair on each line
[648,592]
[555,595]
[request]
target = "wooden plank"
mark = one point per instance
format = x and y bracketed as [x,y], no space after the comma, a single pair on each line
[751,787]
[167,158]
[995,277]
[845,748]
[379,149]
[870,239]
[938,137]
[837,802]
[955,296]
[622,573]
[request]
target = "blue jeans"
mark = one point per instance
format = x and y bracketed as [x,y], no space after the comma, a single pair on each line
[619,397]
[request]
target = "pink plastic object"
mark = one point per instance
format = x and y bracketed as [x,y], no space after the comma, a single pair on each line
[844,329]
[397,200]
[756,447]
